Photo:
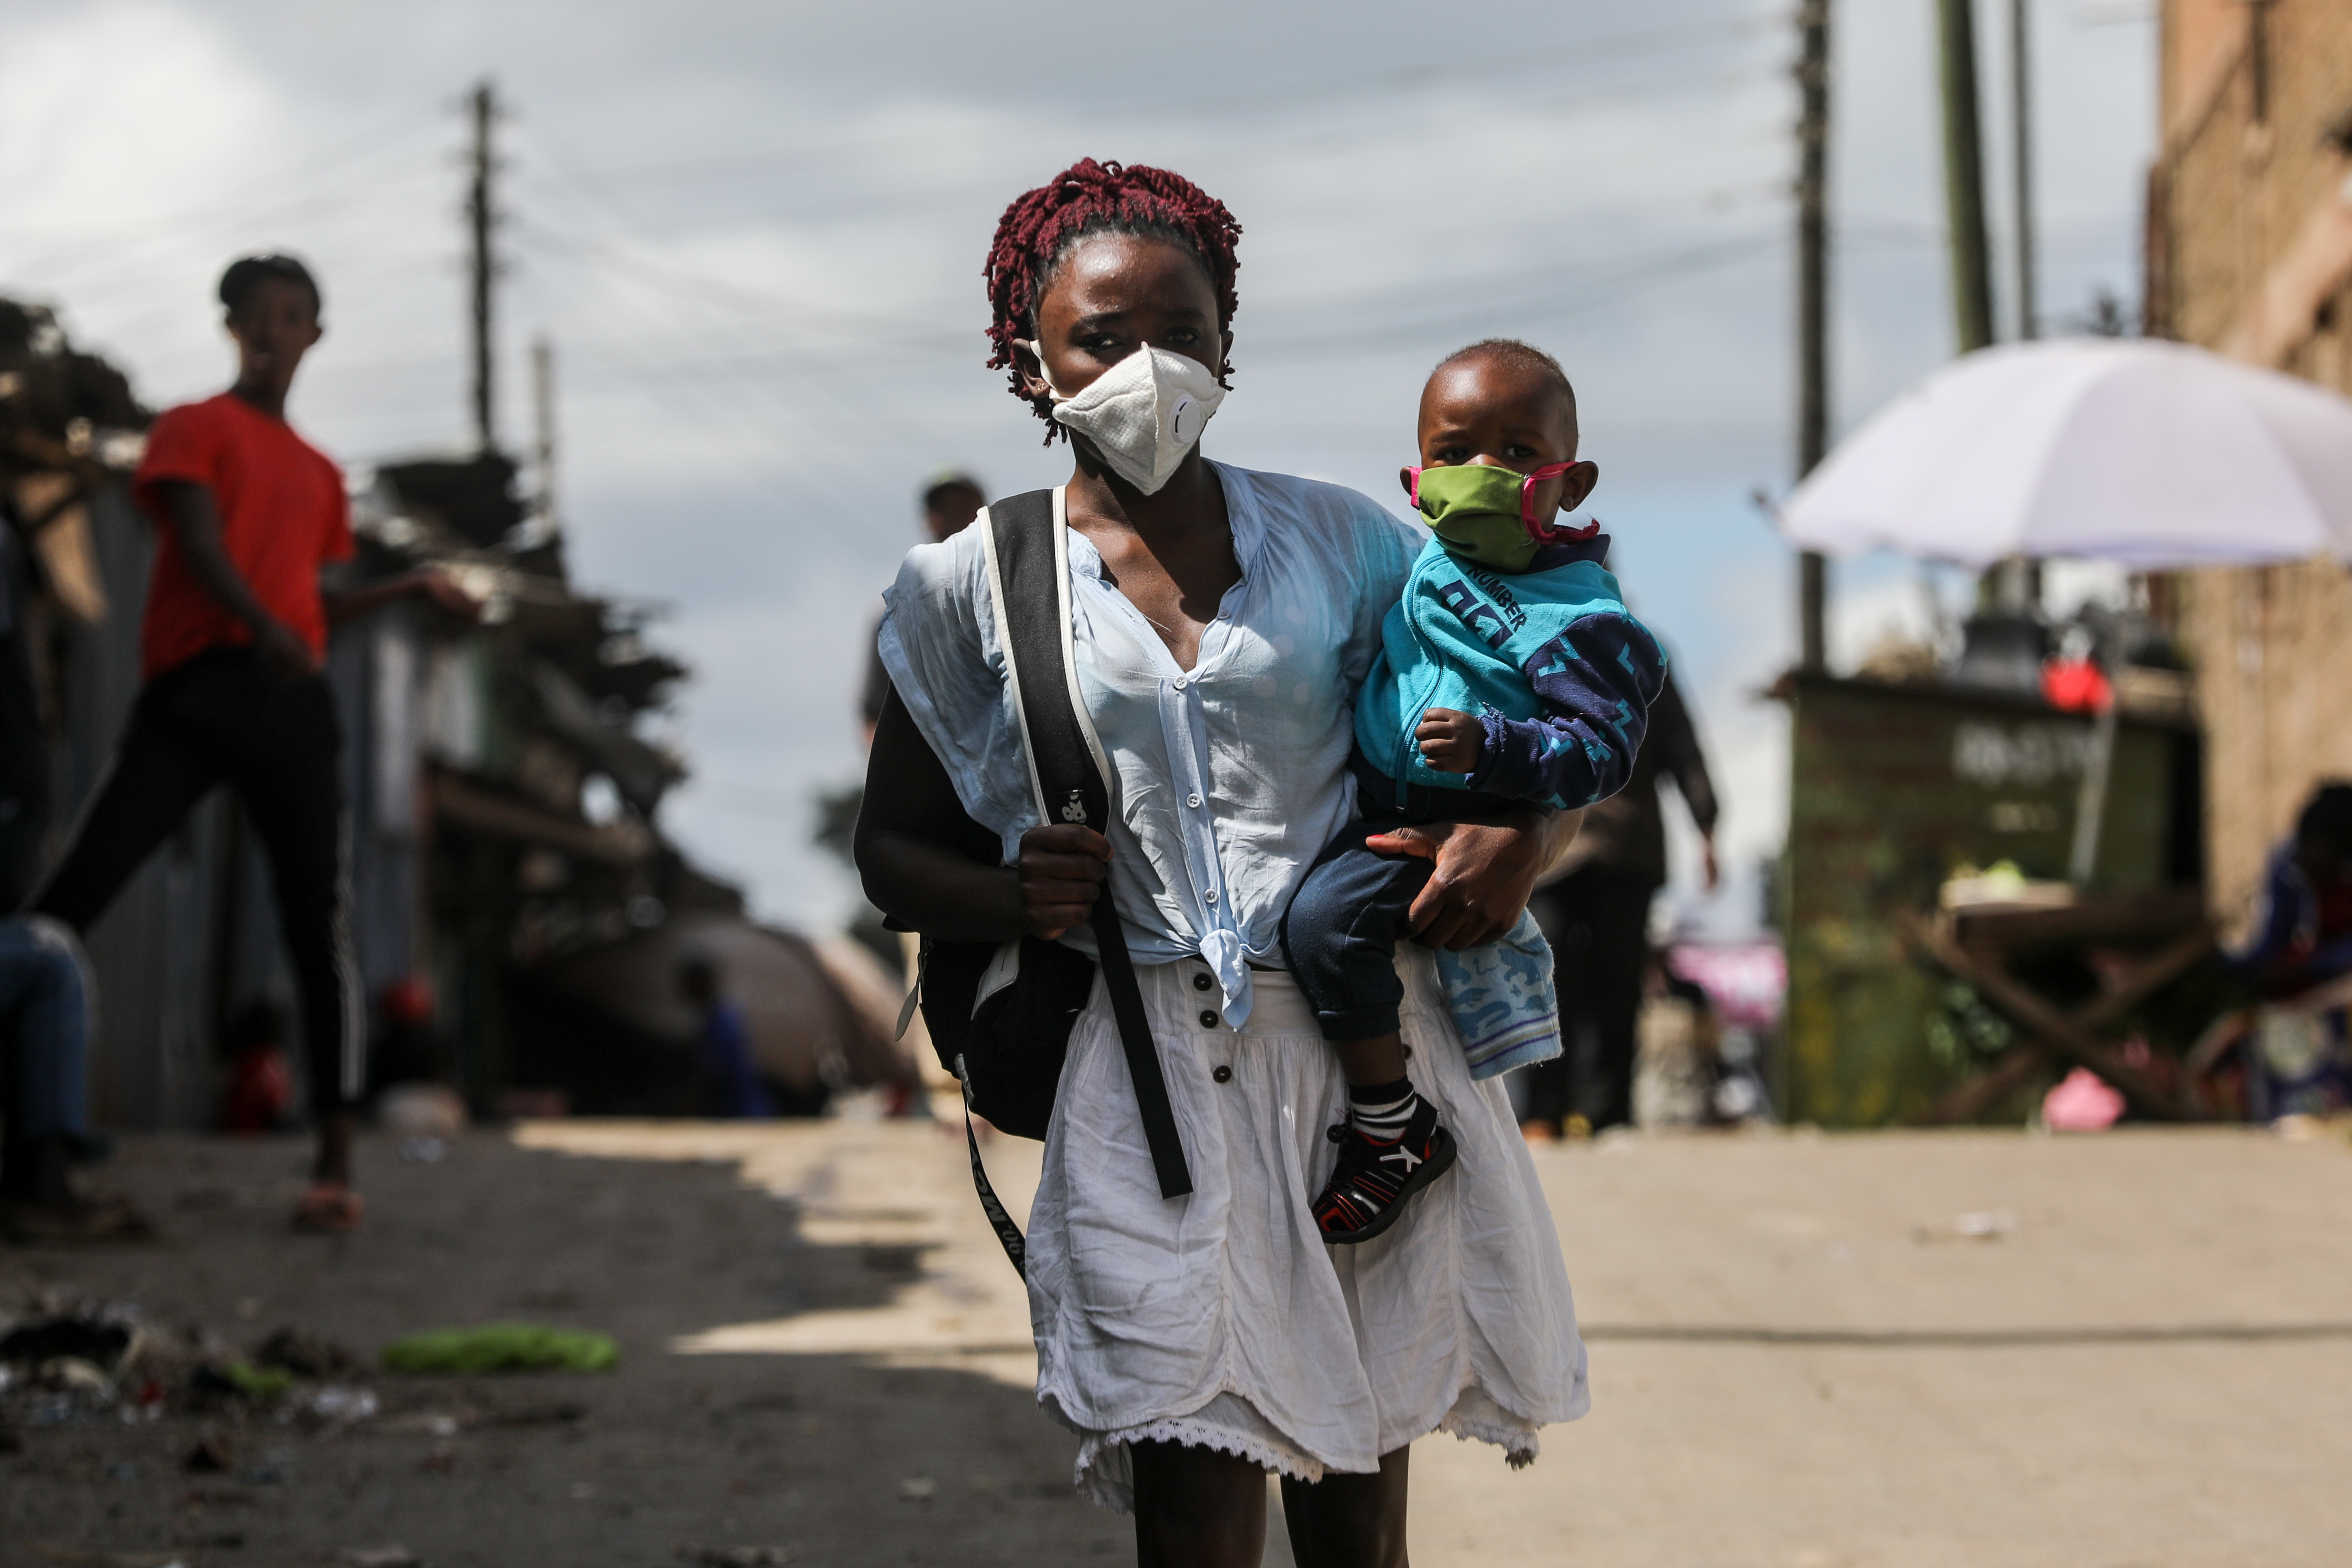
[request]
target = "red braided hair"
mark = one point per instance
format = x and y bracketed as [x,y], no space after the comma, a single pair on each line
[1041,226]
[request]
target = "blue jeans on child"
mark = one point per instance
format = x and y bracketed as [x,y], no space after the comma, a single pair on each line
[1342,928]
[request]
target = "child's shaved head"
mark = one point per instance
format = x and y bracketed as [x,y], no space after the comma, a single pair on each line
[1513,351]
[1523,357]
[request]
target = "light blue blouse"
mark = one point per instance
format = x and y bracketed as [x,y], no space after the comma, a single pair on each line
[1233,776]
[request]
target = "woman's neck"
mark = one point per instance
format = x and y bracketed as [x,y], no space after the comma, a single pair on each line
[1192,500]
[1170,554]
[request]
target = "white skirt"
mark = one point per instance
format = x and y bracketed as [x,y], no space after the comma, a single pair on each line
[1221,1319]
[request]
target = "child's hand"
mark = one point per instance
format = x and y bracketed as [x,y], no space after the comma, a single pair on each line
[1450,740]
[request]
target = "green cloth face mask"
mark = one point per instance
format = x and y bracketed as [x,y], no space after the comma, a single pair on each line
[1487,513]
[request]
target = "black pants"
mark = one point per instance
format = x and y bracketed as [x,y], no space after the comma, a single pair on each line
[24,746]
[1598,921]
[225,717]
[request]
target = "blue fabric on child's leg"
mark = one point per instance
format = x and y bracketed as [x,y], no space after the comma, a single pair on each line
[1503,1000]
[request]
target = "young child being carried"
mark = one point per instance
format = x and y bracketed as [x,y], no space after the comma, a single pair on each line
[1510,673]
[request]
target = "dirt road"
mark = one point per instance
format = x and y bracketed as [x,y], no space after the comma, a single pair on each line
[1808,1352]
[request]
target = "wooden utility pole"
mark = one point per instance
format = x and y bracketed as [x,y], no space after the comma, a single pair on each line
[1813,307]
[2004,584]
[2021,78]
[542,398]
[480,218]
[1964,177]
[2021,92]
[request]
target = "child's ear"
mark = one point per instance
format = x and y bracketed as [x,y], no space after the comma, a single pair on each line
[1404,481]
[1577,484]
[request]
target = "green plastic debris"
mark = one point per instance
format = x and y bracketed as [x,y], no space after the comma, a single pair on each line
[260,1381]
[502,1347]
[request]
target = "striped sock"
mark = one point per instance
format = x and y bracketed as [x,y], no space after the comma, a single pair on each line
[1382,1110]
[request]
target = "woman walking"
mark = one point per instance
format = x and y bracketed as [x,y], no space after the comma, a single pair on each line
[1223,620]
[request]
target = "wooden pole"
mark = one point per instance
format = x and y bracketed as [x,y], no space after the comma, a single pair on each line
[2020,76]
[543,388]
[1964,177]
[1813,307]
[484,106]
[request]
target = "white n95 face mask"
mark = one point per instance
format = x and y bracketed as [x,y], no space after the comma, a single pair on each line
[1143,413]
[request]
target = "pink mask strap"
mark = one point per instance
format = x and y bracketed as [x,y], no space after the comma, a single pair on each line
[1527,490]
[1545,532]
[1551,533]
[1416,487]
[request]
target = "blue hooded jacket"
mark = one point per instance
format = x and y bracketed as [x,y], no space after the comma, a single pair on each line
[1558,670]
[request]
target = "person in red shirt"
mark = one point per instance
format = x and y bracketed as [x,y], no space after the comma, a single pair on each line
[246,514]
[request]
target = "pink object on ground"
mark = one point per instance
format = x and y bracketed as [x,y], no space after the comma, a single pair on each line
[2081,1102]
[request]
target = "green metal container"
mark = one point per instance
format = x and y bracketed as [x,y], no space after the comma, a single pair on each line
[1893,788]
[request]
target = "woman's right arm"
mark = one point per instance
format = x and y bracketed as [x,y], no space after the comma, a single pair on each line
[923,864]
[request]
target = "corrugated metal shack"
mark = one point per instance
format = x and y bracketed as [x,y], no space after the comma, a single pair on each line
[2250,253]
[504,844]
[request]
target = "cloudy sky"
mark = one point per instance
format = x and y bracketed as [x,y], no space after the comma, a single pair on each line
[753,234]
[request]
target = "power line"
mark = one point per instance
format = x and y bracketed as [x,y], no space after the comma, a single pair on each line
[793,419]
[1590,292]
[1274,97]
[1597,283]
[791,313]
[711,289]
[341,178]
[1263,150]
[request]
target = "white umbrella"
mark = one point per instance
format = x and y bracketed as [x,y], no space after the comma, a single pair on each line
[2149,453]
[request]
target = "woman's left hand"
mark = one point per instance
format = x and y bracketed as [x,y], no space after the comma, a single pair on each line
[1485,872]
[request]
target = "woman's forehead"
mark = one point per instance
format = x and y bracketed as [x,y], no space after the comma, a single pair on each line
[1109,272]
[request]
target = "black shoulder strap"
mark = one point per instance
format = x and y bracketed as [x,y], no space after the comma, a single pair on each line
[1029,585]
[1008,1235]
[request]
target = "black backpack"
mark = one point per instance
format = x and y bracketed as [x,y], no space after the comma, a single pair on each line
[1000,1014]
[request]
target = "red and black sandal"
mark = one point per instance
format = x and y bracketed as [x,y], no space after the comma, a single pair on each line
[1374,1177]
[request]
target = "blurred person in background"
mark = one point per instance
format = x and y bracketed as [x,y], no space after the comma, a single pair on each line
[248,515]
[410,1047]
[2298,1059]
[1679,1063]
[951,500]
[46,1003]
[731,1088]
[409,1065]
[2305,934]
[1597,917]
[950,503]
[24,744]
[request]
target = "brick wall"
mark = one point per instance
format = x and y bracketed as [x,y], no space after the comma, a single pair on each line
[2250,253]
